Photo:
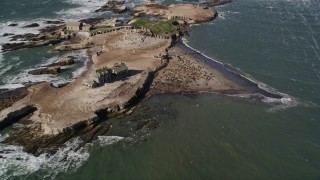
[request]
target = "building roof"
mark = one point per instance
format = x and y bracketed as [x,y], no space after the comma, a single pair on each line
[102,71]
[73,24]
[117,68]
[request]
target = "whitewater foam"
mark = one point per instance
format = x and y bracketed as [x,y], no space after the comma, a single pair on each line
[66,160]
[4,69]
[16,81]
[1,56]
[81,57]
[84,9]
[108,140]
[5,28]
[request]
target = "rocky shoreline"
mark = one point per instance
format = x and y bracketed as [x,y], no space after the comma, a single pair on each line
[48,36]
[117,7]
[52,116]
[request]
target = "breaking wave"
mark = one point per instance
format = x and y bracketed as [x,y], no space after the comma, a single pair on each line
[14,162]
[18,29]
[24,77]
[84,9]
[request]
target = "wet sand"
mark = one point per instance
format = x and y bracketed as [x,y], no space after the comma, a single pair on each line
[187,74]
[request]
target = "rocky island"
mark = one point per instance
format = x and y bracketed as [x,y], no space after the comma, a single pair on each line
[154,64]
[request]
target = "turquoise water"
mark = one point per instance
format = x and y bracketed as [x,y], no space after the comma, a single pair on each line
[213,136]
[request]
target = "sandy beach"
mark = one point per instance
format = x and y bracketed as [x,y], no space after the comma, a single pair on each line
[186,74]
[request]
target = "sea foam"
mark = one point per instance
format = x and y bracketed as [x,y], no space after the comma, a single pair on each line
[66,160]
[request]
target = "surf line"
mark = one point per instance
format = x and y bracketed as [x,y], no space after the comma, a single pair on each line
[231,73]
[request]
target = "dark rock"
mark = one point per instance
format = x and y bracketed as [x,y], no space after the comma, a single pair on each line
[36,143]
[7,34]
[23,37]
[8,97]
[92,21]
[153,125]
[51,29]
[13,46]
[114,6]
[47,36]
[182,30]
[3,90]
[48,33]
[13,24]
[215,2]
[64,62]
[31,25]
[142,123]
[47,70]
[70,47]
[22,45]
[15,116]
[55,22]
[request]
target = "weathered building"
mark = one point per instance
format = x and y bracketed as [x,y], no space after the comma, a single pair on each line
[77,26]
[105,75]
[119,69]
[73,26]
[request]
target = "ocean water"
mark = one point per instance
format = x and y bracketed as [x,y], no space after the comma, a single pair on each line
[206,136]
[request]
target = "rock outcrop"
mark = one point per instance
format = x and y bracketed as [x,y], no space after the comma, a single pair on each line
[13,24]
[92,21]
[63,62]
[114,6]
[22,45]
[8,97]
[187,12]
[48,36]
[14,116]
[70,47]
[215,2]
[23,37]
[31,25]
[55,22]
[7,34]
[47,70]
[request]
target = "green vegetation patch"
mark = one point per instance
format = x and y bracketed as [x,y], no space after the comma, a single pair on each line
[157,27]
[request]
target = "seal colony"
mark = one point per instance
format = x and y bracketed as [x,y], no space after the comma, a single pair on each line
[155,65]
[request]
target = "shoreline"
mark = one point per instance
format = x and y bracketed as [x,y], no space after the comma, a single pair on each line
[156,66]
[230,73]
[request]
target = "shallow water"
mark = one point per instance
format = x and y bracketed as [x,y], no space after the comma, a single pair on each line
[213,136]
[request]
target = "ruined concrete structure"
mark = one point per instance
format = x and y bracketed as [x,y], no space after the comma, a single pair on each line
[105,75]
[77,26]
